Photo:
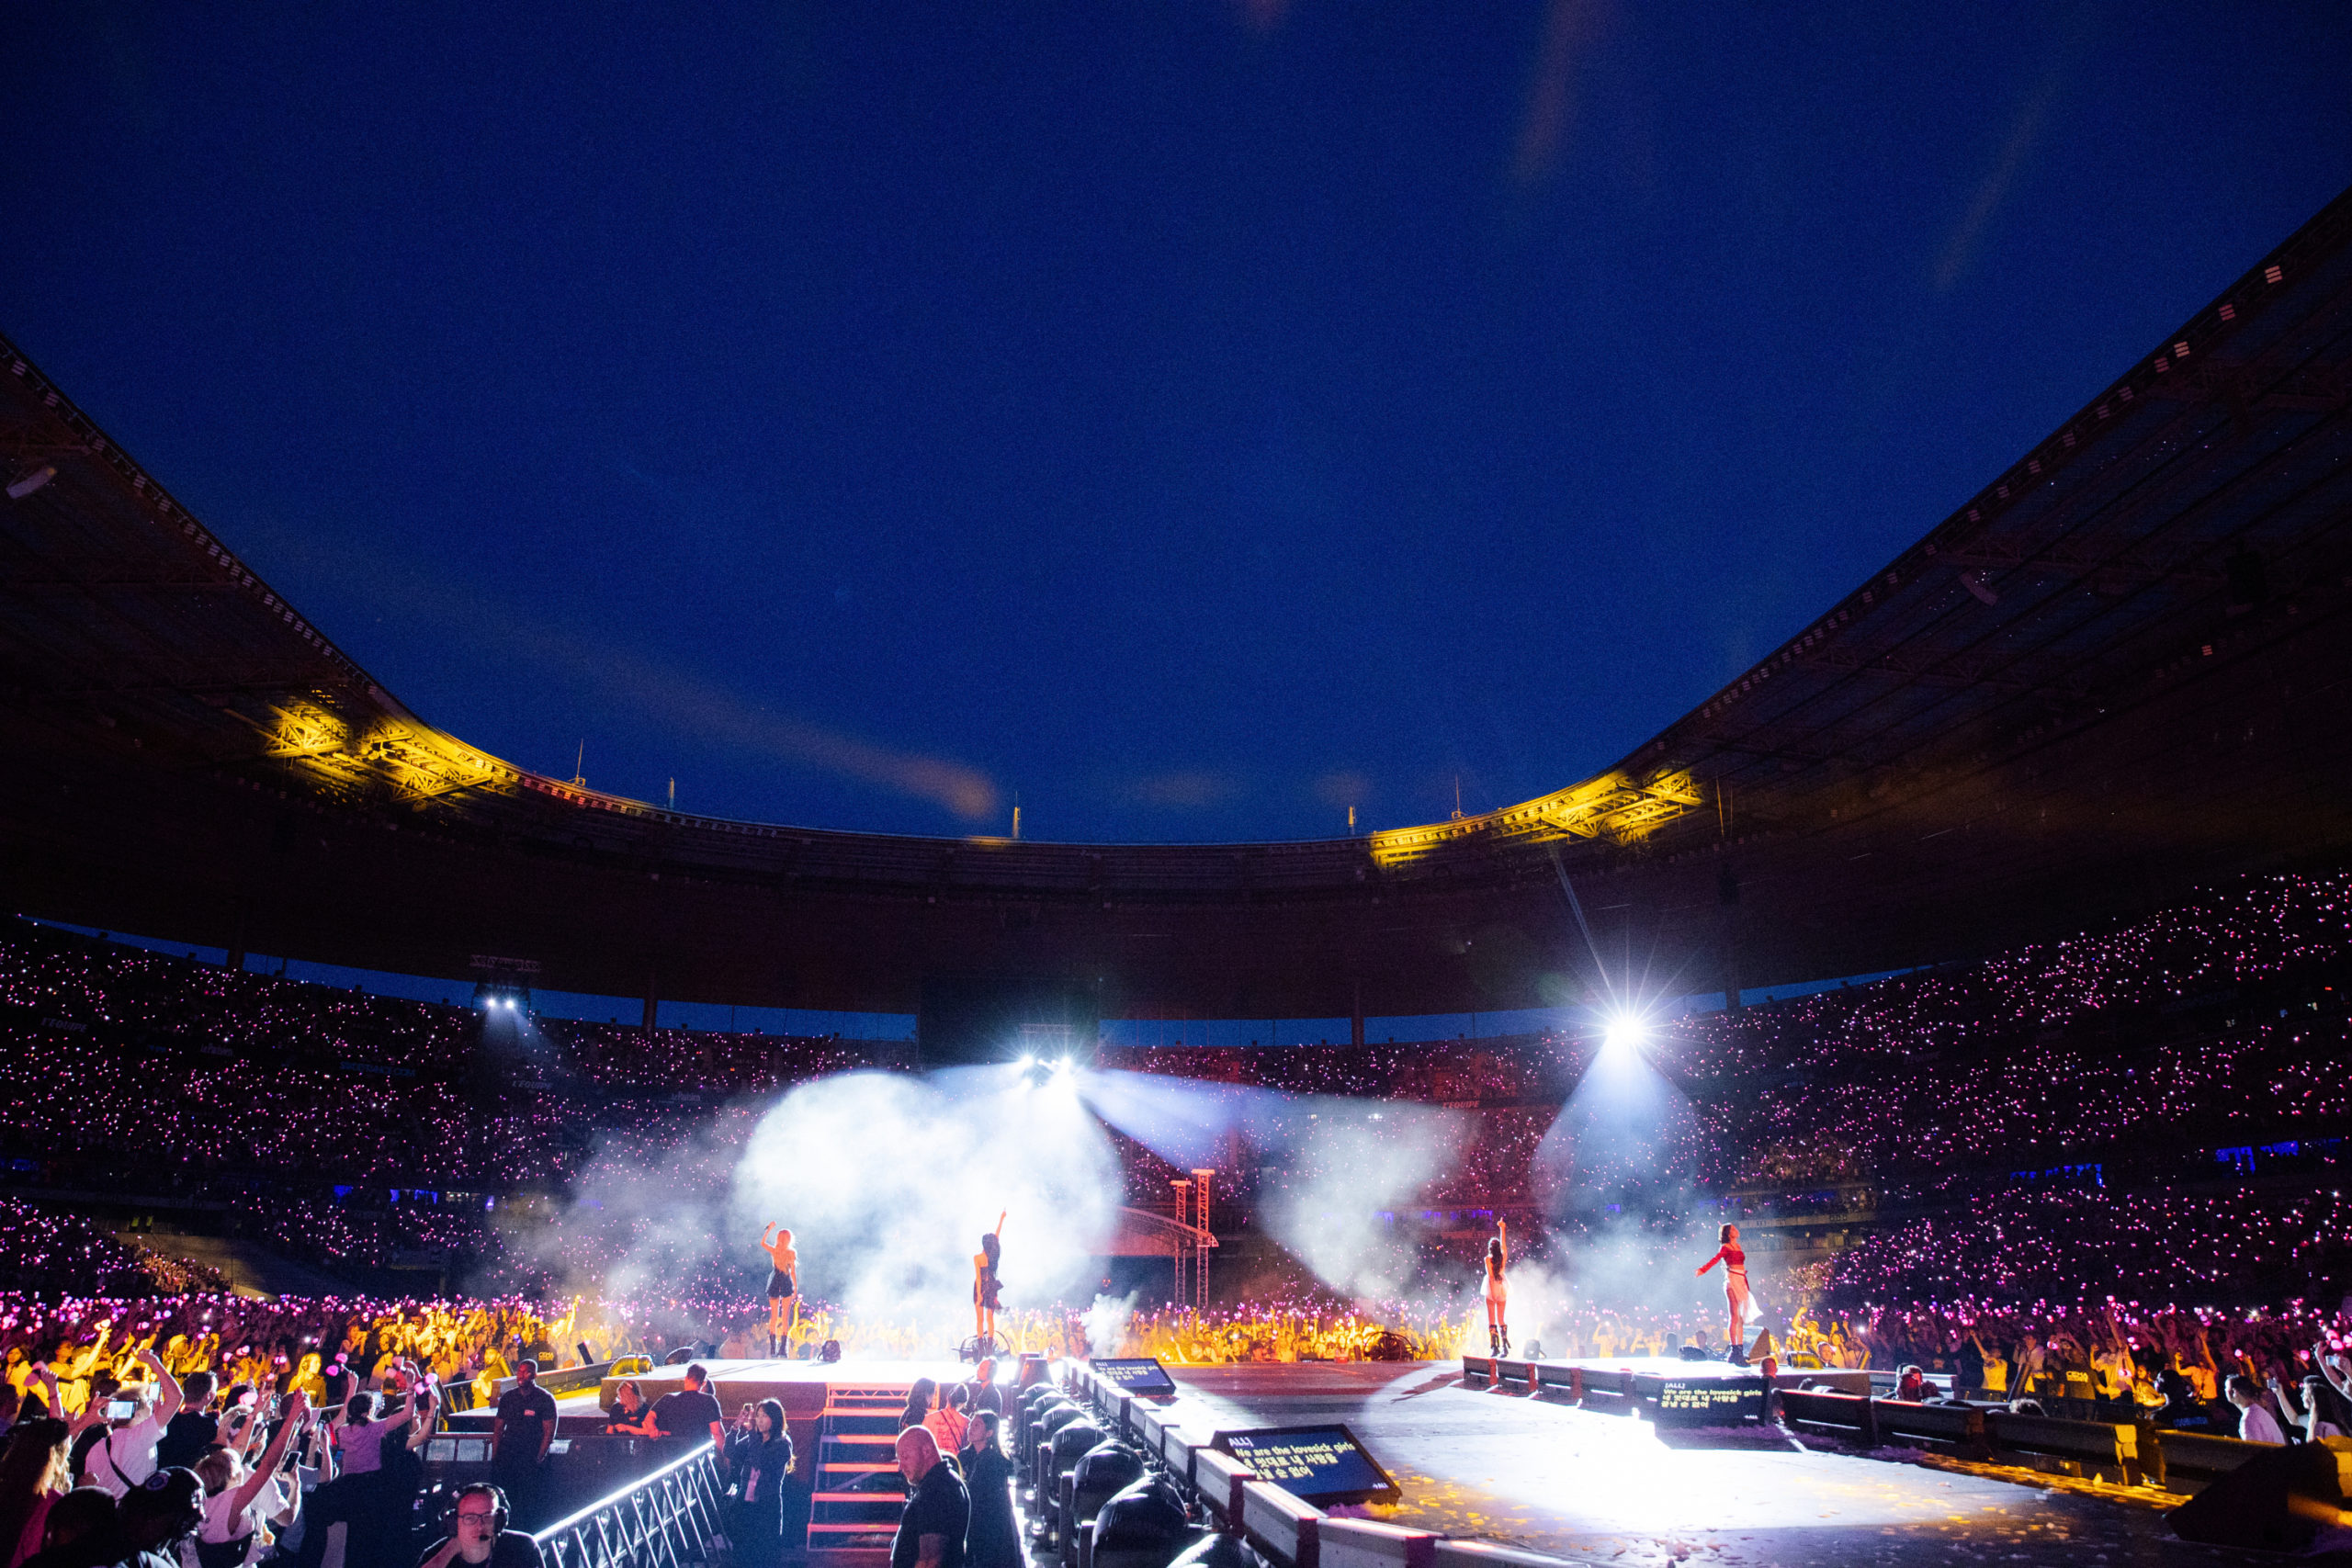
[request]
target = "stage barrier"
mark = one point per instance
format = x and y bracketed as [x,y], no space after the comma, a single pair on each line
[1290,1533]
[666,1520]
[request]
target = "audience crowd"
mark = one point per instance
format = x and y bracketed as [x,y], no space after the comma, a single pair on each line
[2100,1169]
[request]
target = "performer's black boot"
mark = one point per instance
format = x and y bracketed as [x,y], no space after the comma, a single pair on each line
[1494,1341]
[1505,1333]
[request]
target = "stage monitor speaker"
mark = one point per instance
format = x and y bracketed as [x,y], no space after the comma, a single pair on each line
[2273,1501]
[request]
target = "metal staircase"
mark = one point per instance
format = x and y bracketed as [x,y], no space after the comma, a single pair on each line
[858,1493]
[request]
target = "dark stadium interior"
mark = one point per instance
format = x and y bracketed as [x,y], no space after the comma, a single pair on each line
[2112,674]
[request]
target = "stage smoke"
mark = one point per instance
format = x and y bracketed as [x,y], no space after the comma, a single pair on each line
[1106,1323]
[887,1181]
[1347,1167]
[1339,1177]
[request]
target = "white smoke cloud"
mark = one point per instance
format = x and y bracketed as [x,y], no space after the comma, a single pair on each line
[1348,1163]
[887,1183]
[1106,1323]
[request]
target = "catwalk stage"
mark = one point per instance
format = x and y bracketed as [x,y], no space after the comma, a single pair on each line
[1491,1461]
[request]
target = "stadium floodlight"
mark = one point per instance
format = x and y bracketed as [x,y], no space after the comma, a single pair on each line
[1625,1032]
[1027,1061]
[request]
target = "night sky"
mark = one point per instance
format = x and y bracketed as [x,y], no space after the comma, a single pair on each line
[1195,417]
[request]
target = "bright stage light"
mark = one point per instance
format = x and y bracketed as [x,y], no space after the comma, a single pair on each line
[1625,1032]
[1062,1065]
[1027,1061]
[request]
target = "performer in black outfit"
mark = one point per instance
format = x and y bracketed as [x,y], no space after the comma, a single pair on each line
[986,1297]
[784,1287]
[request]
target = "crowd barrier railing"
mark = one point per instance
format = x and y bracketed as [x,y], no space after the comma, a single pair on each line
[565,1380]
[665,1520]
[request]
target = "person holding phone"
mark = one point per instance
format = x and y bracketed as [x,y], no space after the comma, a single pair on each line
[759,1463]
[239,1499]
[125,1458]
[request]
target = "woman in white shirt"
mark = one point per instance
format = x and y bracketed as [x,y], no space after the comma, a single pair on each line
[2313,1414]
[239,1502]
[2256,1424]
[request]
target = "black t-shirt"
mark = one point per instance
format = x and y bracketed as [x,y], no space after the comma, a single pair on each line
[508,1549]
[525,1409]
[939,1506]
[686,1414]
[184,1439]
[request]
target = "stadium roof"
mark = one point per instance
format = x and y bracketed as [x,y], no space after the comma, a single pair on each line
[2118,671]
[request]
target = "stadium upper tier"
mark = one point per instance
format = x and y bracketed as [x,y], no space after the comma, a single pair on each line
[2114,673]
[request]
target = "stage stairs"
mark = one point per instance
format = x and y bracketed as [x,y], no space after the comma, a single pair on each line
[858,1493]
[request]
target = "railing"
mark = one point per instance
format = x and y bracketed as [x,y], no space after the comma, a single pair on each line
[566,1379]
[666,1520]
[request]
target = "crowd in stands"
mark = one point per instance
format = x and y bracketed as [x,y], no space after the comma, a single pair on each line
[2153,1110]
[52,1255]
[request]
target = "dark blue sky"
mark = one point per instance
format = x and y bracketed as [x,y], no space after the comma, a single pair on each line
[1191,416]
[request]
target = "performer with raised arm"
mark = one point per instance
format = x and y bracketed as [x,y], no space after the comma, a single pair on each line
[1735,1264]
[985,1296]
[784,1287]
[1498,1290]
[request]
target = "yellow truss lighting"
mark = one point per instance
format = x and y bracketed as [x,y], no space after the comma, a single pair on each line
[391,759]
[1615,806]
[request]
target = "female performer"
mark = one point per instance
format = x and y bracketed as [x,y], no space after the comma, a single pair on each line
[985,1298]
[1735,1264]
[784,1287]
[1498,1293]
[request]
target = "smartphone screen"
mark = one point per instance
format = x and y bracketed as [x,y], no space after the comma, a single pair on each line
[121,1409]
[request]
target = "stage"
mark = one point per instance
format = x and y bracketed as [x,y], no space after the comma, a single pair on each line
[1492,1462]
[1474,1460]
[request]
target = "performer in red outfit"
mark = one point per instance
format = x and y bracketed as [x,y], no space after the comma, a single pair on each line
[1735,1264]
